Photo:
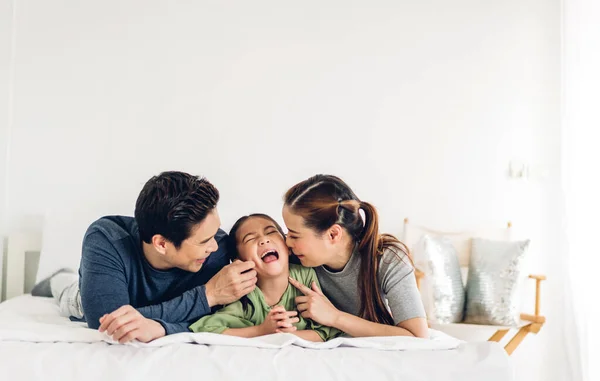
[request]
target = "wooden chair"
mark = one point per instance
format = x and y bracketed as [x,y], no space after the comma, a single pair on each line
[462,242]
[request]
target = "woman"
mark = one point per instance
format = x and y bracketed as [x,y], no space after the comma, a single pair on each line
[358,268]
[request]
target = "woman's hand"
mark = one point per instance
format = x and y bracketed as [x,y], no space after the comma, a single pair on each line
[314,305]
[279,320]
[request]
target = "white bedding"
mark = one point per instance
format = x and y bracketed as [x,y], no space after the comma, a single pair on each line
[36,343]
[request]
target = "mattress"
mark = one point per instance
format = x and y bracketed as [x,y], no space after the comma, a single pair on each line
[38,344]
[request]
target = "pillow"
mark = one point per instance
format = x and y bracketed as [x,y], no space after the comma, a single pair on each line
[442,288]
[493,282]
[61,243]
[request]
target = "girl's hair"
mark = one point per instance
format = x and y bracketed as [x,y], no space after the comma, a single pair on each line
[325,200]
[232,245]
[232,240]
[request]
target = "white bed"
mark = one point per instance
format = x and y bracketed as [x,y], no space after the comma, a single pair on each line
[37,344]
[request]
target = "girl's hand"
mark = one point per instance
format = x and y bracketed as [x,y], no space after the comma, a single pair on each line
[314,305]
[279,320]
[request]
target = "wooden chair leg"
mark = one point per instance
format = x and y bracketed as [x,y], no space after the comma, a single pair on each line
[498,335]
[516,340]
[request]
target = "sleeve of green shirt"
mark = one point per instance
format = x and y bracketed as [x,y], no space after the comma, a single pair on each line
[325,332]
[230,316]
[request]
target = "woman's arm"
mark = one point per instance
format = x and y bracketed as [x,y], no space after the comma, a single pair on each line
[309,335]
[314,305]
[358,327]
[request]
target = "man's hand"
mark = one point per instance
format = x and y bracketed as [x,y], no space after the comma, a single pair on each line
[231,283]
[126,324]
[279,320]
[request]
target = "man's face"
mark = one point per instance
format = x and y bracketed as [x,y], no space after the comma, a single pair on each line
[194,251]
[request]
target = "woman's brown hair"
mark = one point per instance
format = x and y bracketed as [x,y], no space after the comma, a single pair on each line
[325,200]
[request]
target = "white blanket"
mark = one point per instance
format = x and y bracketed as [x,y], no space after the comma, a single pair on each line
[45,326]
[37,344]
[34,332]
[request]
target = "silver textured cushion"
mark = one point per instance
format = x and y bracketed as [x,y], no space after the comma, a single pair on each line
[493,282]
[442,288]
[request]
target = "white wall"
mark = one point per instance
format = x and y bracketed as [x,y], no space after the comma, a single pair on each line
[418,105]
[5,50]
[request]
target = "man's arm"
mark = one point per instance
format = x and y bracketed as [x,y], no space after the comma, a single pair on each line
[228,285]
[103,284]
[104,289]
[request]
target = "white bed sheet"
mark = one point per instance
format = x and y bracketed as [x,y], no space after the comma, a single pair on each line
[36,344]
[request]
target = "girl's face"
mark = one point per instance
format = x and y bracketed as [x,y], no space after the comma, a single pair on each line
[258,240]
[311,248]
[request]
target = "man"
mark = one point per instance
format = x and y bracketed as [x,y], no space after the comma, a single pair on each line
[153,275]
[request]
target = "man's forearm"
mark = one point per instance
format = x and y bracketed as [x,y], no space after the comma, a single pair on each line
[187,307]
[172,328]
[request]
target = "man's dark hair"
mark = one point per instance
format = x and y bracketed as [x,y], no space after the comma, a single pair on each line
[172,204]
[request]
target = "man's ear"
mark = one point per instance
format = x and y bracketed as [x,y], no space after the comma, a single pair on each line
[160,243]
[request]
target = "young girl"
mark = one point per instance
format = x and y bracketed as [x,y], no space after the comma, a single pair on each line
[359,268]
[270,308]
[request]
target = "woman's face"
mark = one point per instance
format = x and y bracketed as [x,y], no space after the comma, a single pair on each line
[311,248]
[258,240]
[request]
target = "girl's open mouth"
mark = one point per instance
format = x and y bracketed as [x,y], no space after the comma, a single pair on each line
[270,256]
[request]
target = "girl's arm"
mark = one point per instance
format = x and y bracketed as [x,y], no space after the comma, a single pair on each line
[308,335]
[253,331]
[277,319]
